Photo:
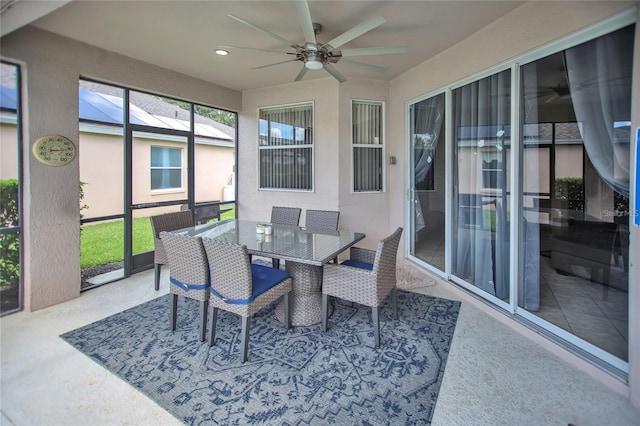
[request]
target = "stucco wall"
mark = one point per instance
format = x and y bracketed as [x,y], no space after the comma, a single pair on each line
[366,213]
[52,68]
[256,204]
[8,152]
[100,156]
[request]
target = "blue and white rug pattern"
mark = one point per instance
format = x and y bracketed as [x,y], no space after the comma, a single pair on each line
[300,376]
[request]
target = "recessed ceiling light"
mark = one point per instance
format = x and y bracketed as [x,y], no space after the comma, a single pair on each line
[222,52]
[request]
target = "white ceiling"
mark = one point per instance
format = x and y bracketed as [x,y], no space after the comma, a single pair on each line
[182,35]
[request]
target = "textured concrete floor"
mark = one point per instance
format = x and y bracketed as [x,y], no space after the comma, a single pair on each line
[494,375]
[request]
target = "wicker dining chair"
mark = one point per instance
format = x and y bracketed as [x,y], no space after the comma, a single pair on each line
[205,212]
[322,220]
[284,216]
[189,275]
[241,287]
[367,278]
[166,222]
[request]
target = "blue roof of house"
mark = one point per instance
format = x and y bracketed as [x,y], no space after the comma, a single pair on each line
[483,131]
[282,130]
[8,98]
[103,108]
[96,107]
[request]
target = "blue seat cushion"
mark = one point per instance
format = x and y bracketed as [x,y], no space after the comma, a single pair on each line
[188,287]
[265,277]
[358,264]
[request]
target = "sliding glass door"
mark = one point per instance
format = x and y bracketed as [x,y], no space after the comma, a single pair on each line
[576,121]
[428,207]
[481,138]
[534,215]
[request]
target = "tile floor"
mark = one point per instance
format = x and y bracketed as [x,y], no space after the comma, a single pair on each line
[593,312]
[494,375]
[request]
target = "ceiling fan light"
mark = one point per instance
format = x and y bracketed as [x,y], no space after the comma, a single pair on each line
[313,63]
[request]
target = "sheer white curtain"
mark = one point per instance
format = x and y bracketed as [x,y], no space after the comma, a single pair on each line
[482,119]
[599,75]
[427,124]
[529,285]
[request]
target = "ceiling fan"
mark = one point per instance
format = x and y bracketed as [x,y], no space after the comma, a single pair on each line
[316,55]
[555,93]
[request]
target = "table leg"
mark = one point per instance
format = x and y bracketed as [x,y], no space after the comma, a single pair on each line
[306,296]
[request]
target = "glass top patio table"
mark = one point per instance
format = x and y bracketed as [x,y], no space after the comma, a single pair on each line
[292,243]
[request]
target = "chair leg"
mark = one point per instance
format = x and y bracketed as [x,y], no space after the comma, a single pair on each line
[203,320]
[394,302]
[157,267]
[287,318]
[173,312]
[245,338]
[275,263]
[375,316]
[212,326]
[325,311]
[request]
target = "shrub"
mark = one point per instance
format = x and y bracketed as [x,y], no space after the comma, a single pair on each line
[8,202]
[9,243]
[572,190]
[82,206]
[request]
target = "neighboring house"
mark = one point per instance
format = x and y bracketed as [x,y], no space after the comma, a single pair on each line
[160,160]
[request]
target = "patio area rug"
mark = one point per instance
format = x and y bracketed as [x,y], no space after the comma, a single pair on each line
[300,376]
[407,279]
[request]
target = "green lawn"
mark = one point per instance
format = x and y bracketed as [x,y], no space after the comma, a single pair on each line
[103,243]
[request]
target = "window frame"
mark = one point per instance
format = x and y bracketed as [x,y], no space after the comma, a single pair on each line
[489,174]
[267,147]
[152,168]
[381,145]
[17,228]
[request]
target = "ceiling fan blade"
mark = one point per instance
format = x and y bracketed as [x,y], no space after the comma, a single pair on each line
[301,74]
[270,65]
[269,33]
[363,65]
[335,73]
[305,20]
[252,48]
[374,51]
[357,31]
